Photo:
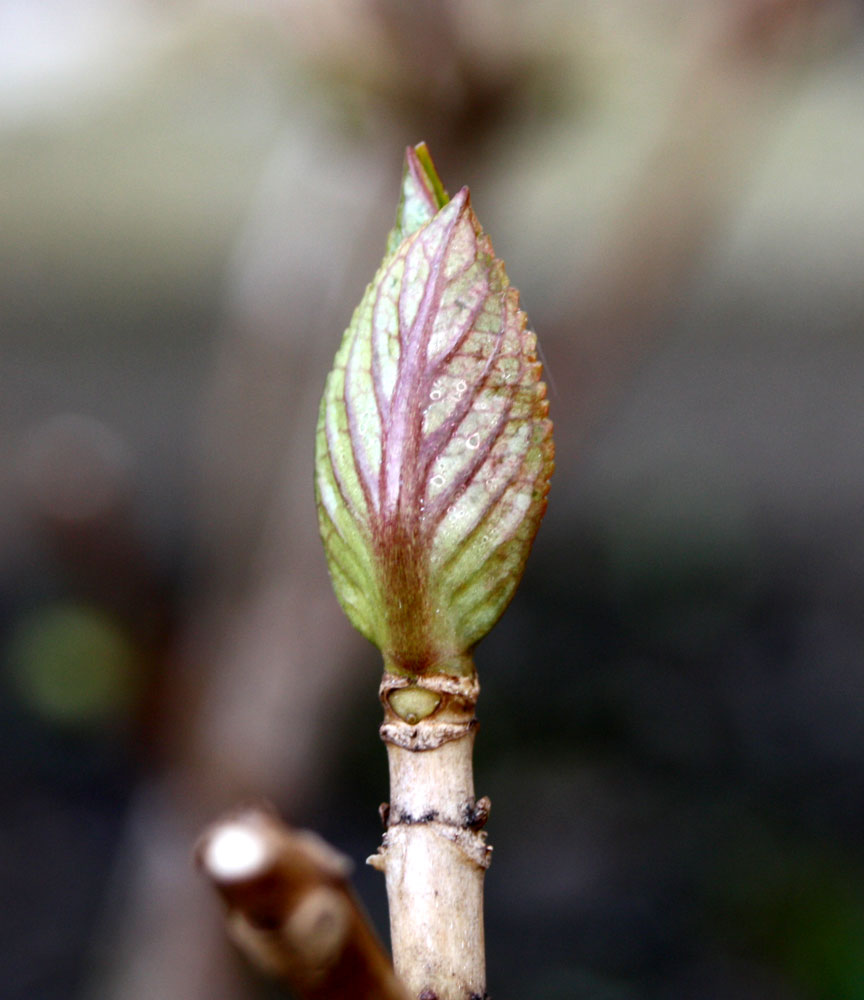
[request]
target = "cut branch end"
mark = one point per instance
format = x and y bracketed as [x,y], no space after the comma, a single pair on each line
[291,910]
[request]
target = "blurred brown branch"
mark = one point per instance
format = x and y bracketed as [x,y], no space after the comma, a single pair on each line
[743,59]
[291,910]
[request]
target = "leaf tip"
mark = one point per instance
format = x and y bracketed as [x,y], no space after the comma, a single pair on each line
[422,196]
[419,163]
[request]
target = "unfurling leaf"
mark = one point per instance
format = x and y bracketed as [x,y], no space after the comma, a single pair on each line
[433,450]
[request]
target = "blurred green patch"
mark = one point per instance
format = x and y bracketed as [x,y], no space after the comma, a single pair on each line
[72,665]
[801,908]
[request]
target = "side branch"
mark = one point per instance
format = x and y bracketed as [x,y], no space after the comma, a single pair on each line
[291,910]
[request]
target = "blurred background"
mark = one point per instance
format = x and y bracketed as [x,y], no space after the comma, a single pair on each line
[192,198]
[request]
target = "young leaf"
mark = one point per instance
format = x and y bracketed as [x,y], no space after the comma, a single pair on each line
[433,451]
[422,195]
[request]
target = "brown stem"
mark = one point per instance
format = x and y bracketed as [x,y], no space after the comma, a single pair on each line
[291,909]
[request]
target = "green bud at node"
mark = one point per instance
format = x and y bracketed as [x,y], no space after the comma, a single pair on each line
[412,704]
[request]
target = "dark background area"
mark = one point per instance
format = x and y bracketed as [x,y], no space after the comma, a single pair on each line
[192,197]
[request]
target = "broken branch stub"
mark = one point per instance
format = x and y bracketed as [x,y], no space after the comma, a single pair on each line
[291,910]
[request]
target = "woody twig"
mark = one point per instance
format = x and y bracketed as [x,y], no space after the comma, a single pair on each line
[291,909]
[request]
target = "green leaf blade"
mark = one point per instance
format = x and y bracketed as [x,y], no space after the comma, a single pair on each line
[434,445]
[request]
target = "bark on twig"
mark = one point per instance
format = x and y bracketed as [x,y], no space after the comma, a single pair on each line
[434,855]
[291,909]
